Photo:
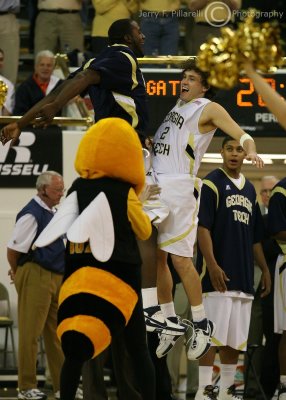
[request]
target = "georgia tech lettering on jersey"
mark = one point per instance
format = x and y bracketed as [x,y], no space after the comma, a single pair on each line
[164,148]
[239,200]
[178,144]
[241,216]
[161,148]
[175,118]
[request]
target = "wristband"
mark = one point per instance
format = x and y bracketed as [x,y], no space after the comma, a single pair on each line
[245,137]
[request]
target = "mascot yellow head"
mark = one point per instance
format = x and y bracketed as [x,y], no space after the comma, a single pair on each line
[111,148]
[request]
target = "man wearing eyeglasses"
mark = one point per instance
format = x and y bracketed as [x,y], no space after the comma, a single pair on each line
[267,184]
[37,275]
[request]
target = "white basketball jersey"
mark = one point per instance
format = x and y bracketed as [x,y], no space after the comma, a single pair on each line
[178,145]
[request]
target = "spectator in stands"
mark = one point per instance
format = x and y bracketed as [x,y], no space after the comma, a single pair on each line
[267,183]
[106,12]
[211,15]
[9,37]
[38,85]
[8,104]
[160,24]
[59,26]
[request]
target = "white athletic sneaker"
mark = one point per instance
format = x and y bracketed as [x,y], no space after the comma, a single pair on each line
[78,395]
[282,392]
[168,339]
[156,322]
[31,394]
[154,319]
[200,341]
[228,394]
[208,393]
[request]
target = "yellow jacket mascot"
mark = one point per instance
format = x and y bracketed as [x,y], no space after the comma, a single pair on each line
[102,216]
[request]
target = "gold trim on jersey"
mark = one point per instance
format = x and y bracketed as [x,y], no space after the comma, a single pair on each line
[134,68]
[243,180]
[216,342]
[128,104]
[280,190]
[242,346]
[190,152]
[193,225]
[204,270]
[87,64]
[282,246]
[177,238]
[213,187]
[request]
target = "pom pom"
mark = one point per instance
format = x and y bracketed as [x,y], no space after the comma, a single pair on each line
[223,57]
[3,93]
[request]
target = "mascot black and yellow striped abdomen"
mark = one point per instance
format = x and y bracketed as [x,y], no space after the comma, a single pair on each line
[94,305]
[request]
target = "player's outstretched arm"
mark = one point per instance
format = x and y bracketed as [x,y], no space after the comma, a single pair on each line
[216,116]
[46,109]
[275,103]
[13,130]
[73,87]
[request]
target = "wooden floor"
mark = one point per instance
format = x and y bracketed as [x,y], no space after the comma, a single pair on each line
[12,393]
[8,383]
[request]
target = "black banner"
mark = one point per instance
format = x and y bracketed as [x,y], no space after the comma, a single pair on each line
[38,150]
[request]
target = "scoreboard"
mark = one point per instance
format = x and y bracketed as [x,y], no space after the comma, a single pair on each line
[242,102]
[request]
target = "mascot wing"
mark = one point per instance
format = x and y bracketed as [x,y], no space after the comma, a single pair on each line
[95,224]
[62,220]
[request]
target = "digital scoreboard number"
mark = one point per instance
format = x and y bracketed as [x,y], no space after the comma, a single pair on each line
[242,102]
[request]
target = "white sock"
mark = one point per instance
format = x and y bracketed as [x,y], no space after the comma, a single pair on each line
[168,309]
[198,313]
[149,297]
[227,373]
[205,376]
[283,379]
